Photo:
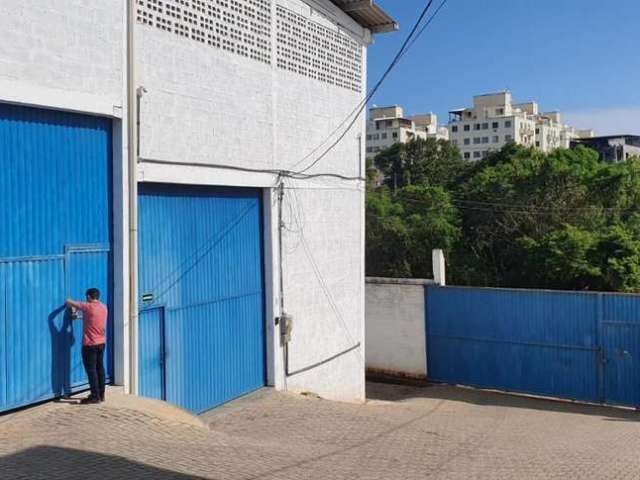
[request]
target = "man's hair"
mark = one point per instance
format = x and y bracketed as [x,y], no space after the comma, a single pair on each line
[93,293]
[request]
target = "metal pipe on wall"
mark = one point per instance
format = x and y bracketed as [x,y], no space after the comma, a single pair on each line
[132,122]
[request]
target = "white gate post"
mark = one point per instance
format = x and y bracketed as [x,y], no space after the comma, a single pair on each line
[437,259]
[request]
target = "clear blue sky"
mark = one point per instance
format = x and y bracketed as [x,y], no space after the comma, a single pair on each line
[581,57]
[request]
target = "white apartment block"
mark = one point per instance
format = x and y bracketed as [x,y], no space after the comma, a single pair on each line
[494,120]
[388,126]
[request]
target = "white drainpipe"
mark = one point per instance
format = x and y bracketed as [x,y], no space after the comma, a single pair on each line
[133,198]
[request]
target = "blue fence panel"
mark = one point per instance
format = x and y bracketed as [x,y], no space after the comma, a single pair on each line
[524,341]
[201,257]
[55,190]
[621,349]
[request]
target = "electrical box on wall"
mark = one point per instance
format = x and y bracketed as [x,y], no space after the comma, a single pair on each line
[286,326]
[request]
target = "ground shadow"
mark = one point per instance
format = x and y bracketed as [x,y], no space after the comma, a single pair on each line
[404,393]
[53,463]
[62,339]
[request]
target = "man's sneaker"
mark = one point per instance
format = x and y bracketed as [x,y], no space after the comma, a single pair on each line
[88,400]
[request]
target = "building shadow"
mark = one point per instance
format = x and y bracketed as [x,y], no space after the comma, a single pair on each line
[57,463]
[410,394]
[62,339]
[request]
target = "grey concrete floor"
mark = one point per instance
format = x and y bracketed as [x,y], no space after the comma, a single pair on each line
[401,433]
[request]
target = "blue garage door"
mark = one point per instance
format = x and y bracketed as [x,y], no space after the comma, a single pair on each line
[201,328]
[55,237]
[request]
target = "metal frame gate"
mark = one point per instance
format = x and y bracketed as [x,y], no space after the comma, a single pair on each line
[581,346]
[55,242]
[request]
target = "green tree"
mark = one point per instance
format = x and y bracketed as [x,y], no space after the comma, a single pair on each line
[402,230]
[420,162]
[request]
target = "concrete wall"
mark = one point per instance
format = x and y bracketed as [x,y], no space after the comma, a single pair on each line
[396,322]
[206,107]
[62,54]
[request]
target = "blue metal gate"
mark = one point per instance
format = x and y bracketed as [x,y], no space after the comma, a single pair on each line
[582,346]
[201,261]
[55,237]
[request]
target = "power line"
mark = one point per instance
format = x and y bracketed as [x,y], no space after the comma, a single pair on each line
[521,209]
[409,41]
[358,108]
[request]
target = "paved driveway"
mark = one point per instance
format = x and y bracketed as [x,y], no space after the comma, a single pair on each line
[402,433]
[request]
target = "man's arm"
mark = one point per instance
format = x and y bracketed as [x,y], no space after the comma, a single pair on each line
[72,303]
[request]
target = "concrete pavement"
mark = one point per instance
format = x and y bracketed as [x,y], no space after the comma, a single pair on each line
[402,433]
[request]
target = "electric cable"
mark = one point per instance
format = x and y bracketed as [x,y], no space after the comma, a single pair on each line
[403,50]
[358,108]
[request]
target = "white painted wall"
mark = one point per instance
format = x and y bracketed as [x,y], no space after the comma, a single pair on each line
[205,107]
[71,56]
[396,323]
[63,55]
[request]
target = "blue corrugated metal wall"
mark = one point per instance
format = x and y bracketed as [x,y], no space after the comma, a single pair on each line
[151,353]
[201,258]
[565,344]
[55,237]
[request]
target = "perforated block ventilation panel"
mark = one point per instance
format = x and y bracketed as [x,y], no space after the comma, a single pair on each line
[244,27]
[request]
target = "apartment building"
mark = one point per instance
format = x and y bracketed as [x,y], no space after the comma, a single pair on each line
[494,120]
[612,148]
[388,126]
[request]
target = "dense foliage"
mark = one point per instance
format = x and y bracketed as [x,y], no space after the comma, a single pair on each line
[518,218]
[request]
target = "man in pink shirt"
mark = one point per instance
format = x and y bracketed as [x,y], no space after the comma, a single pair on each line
[94,324]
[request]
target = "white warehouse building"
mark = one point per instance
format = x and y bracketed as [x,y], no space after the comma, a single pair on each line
[494,120]
[171,144]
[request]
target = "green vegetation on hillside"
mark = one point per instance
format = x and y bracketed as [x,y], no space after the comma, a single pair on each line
[518,218]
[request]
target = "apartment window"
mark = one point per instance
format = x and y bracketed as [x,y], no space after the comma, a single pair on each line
[537,131]
[467,155]
[383,136]
[455,142]
[394,134]
[477,140]
[477,154]
[485,139]
[508,138]
[537,144]
[467,141]
[495,125]
[507,124]
[389,123]
[496,139]
[476,126]
[485,153]
[485,126]
[454,128]
[369,149]
[499,111]
[467,128]
[376,136]
[368,137]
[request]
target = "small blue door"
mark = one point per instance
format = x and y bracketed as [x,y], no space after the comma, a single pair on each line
[200,257]
[621,346]
[151,353]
